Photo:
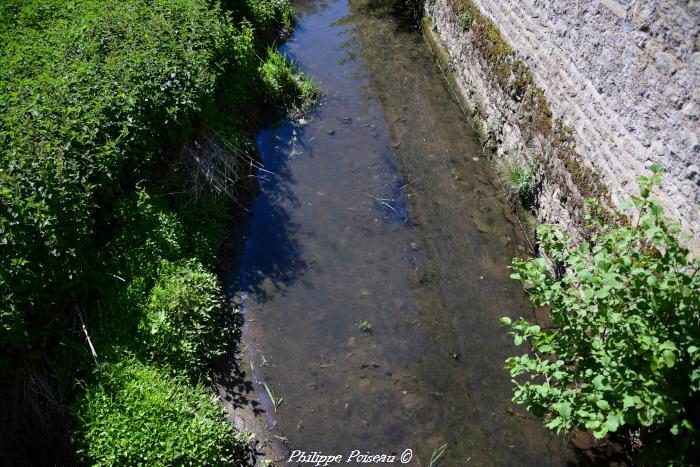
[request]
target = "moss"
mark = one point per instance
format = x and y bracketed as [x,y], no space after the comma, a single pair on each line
[443,60]
[441,55]
[516,80]
[512,75]
[486,35]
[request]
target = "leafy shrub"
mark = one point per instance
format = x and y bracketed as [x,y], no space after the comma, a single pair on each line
[147,232]
[136,414]
[517,177]
[91,93]
[208,220]
[95,98]
[183,323]
[266,16]
[625,346]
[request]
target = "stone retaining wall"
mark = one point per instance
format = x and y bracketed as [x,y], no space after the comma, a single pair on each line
[621,75]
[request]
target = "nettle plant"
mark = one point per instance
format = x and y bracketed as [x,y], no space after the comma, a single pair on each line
[624,345]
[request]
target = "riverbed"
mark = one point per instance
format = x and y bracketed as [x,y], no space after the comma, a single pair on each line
[374,267]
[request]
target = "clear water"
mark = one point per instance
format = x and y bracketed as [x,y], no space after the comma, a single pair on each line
[380,207]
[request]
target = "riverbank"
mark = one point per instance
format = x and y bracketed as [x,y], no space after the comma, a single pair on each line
[125,146]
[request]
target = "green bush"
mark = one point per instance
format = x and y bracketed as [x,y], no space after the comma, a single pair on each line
[147,231]
[625,346]
[184,321]
[92,93]
[208,221]
[96,97]
[281,81]
[266,16]
[136,414]
[95,100]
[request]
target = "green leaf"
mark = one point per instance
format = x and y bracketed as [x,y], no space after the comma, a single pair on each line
[603,292]
[625,326]
[554,423]
[598,382]
[669,358]
[563,409]
[612,422]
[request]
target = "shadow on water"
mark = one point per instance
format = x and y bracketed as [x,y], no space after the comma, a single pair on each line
[273,257]
[379,207]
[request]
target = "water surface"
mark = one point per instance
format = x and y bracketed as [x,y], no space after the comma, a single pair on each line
[379,207]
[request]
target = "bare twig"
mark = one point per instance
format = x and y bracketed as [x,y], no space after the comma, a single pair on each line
[116,277]
[87,336]
[381,201]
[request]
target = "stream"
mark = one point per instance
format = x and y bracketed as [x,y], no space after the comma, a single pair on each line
[379,207]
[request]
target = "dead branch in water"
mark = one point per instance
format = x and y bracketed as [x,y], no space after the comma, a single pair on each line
[382,201]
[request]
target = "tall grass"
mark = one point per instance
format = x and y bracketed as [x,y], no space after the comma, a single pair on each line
[517,177]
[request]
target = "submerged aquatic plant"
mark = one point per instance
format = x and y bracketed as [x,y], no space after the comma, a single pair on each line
[364,326]
[275,401]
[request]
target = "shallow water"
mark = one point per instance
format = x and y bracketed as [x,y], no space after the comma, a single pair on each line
[379,207]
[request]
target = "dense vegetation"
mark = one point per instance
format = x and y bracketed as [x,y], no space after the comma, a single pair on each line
[137,414]
[624,348]
[100,224]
